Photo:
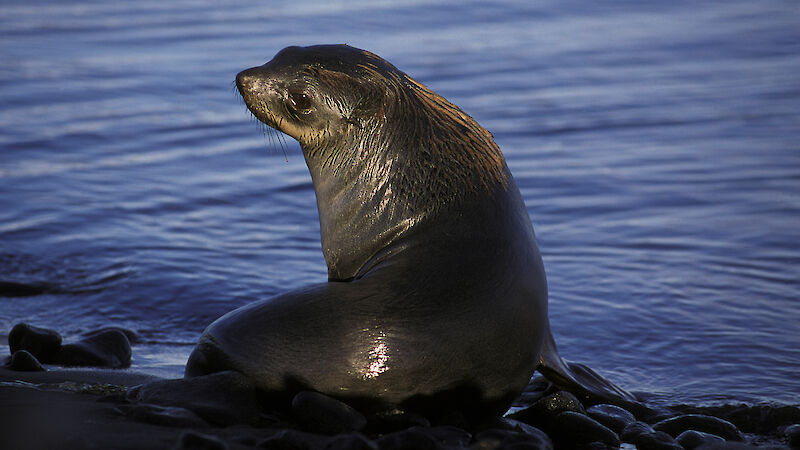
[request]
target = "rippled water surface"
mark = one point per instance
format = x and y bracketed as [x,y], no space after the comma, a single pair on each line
[656,144]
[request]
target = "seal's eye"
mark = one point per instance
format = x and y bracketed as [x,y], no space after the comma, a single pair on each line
[301,102]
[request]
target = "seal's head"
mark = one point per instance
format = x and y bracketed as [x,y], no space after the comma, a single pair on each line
[351,110]
[317,95]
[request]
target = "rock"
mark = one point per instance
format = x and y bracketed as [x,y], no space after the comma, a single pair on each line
[24,361]
[109,348]
[192,440]
[16,289]
[595,446]
[169,416]
[633,430]
[391,420]
[132,336]
[611,416]
[534,435]
[571,429]
[351,441]
[292,440]
[447,435]
[322,414]
[677,425]
[657,440]
[411,439]
[42,343]
[756,419]
[222,398]
[645,437]
[692,439]
[504,439]
[792,433]
[545,409]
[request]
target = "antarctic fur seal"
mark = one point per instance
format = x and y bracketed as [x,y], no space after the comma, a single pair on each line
[437,296]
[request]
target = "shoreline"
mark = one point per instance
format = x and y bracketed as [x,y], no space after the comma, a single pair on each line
[89,408]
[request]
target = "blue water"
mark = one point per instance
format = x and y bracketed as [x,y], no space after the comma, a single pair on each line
[656,144]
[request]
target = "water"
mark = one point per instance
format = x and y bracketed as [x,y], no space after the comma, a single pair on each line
[657,146]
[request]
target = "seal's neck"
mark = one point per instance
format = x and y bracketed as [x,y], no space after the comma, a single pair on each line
[359,214]
[385,175]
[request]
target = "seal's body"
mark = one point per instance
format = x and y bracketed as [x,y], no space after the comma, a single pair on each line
[436,285]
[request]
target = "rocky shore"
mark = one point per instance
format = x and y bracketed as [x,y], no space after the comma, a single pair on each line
[108,407]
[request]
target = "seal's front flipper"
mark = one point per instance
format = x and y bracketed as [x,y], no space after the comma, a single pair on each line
[580,379]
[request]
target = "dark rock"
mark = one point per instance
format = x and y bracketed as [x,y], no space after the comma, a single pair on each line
[109,348]
[169,416]
[657,440]
[411,439]
[192,440]
[756,419]
[24,361]
[792,433]
[292,440]
[545,409]
[222,398]
[322,414]
[594,446]
[677,425]
[633,430]
[692,439]
[42,343]
[572,429]
[534,434]
[611,416]
[448,436]
[504,439]
[351,441]
[16,289]
[391,420]
[116,397]
[133,337]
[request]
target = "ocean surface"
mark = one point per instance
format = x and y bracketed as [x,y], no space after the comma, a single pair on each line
[656,144]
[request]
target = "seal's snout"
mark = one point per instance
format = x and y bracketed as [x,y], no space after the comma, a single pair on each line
[247,81]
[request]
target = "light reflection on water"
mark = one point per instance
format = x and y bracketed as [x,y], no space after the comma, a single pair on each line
[656,147]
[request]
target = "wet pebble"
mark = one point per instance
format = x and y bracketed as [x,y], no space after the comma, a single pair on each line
[504,439]
[707,424]
[110,348]
[634,430]
[169,416]
[792,433]
[657,440]
[534,435]
[293,440]
[611,416]
[42,343]
[132,336]
[548,407]
[391,420]
[192,440]
[692,439]
[24,361]
[448,436]
[222,398]
[351,441]
[572,429]
[322,414]
[414,438]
